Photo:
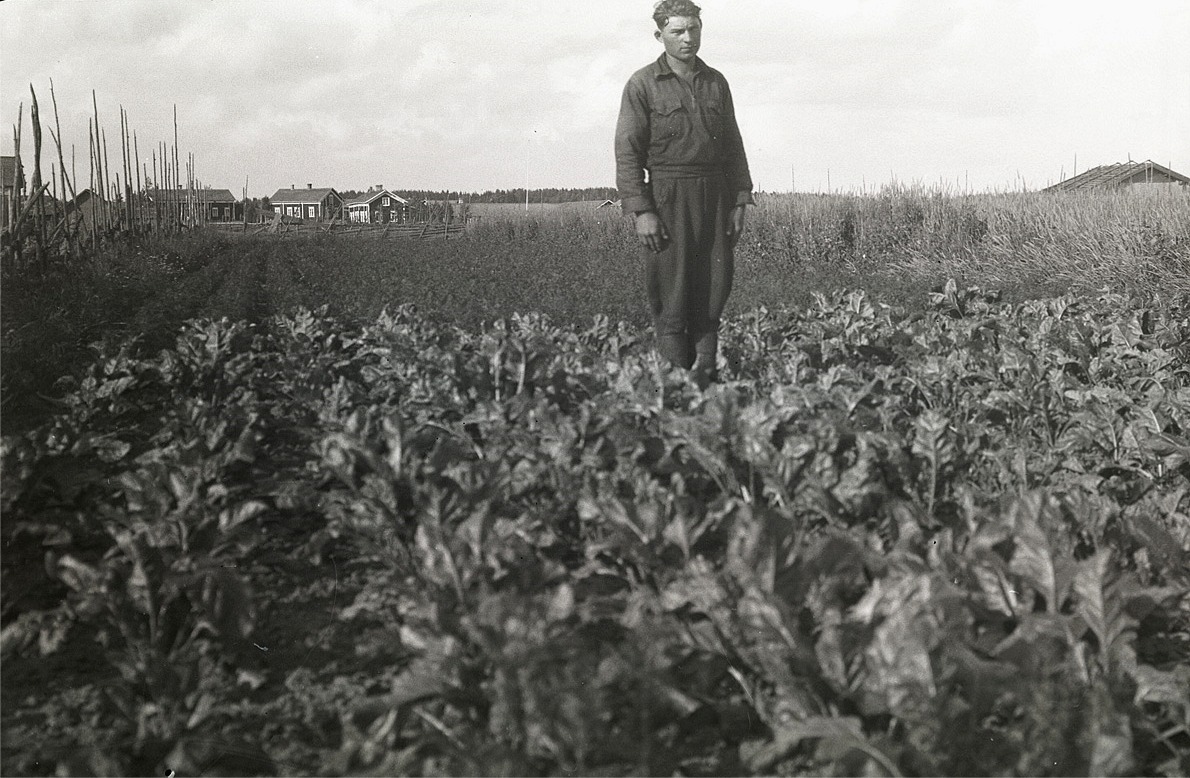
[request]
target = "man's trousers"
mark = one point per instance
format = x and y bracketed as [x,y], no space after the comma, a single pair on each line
[689,281]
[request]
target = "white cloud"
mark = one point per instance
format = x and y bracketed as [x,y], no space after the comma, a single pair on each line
[485,95]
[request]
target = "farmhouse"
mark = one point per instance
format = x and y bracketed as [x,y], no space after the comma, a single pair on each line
[193,206]
[378,206]
[1133,176]
[88,210]
[319,204]
[218,205]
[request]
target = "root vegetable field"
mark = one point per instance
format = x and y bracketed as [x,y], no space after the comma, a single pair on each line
[314,507]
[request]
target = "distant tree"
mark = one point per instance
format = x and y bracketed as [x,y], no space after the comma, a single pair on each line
[543,195]
[255,208]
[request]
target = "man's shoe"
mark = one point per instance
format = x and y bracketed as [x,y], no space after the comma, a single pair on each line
[704,371]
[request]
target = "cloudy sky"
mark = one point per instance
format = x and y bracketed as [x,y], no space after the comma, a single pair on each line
[485,94]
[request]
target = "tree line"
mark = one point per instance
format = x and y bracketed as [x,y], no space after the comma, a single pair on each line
[543,195]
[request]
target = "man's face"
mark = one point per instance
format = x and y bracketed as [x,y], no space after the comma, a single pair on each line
[681,37]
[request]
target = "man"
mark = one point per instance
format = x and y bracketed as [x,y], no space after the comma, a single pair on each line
[677,123]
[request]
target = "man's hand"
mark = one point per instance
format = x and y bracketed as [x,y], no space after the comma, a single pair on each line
[651,232]
[735,224]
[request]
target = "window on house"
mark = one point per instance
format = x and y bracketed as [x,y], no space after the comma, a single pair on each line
[386,202]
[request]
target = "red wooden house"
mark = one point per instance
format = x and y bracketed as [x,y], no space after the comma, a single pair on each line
[378,206]
[321,204]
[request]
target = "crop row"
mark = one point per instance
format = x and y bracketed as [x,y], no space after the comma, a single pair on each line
[952,542]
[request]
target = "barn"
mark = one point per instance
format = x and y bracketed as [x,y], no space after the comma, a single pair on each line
[1131,176]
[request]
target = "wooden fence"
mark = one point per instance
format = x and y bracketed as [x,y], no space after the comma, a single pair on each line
[424,230]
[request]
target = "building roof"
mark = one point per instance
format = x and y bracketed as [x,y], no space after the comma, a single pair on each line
[368,197]
[307,195]
[205,195]
[80,199]
[215,196]
[1106,176]
[8,171]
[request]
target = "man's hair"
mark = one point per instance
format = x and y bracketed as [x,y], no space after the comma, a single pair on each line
[667,8]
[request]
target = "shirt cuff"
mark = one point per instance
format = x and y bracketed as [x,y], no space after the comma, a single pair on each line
[637,203]
[744,198]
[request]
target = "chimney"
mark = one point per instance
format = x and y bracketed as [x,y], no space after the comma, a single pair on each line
[291,186]
[309,186]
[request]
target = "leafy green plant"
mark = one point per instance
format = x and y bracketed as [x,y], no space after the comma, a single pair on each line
[949,541]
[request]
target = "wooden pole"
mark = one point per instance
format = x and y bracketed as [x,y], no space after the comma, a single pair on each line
[59,213]
[124,191]
[129,177]
[163,186]
[109,195]
[156,193]
[100,179]
[94,185]
[67,185]
[175,191]
[190,191]
[177,167]
[35,121]
[139,182]
[156,185]
[18,184]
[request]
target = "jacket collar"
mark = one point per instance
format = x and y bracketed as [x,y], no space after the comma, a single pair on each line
[661,68]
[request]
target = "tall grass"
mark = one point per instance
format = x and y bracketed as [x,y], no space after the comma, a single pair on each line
[1028,243]
[1135,242]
